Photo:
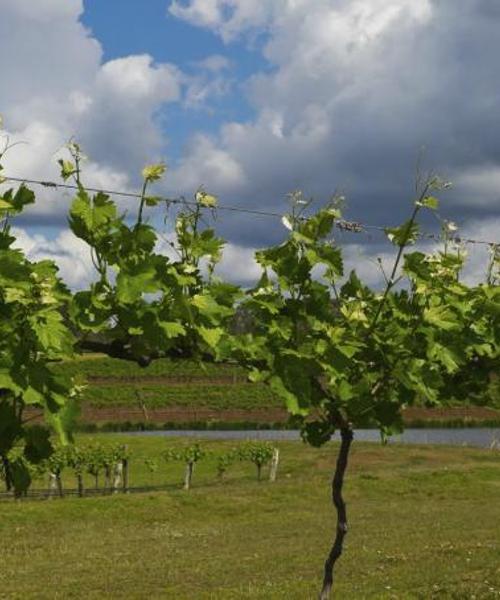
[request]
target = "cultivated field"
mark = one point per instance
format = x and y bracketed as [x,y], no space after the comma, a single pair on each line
[169,392]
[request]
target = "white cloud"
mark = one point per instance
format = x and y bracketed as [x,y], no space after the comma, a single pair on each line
[355,89]
[55,87]
[238,264]
[214,63]
[479,185]
[42,10]
[229,18]
[365,258]
[136,78]
[206,164]
[71,255]
[478,255]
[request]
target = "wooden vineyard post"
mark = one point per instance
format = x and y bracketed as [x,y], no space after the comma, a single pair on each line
[107,478]
[117,476]
[188,475]
[274,465]
[125,467]
[52,484]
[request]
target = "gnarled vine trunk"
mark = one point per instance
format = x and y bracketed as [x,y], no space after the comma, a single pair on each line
[346,435]
[7,473]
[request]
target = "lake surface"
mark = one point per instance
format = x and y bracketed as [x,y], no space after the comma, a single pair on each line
[482,437]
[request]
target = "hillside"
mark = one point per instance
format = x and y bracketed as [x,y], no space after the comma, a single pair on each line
[174,393]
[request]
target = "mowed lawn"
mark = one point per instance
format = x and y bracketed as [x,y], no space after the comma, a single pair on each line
[424,523]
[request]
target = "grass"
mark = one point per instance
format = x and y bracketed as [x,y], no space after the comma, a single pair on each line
[246,396]
[425,524]
[117,383]
[98,365]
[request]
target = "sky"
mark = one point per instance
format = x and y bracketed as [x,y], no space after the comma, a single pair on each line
[252,100]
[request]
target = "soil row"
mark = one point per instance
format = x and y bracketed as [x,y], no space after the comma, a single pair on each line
[182,414]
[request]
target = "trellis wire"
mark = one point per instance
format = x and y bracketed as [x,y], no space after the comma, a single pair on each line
[342,224]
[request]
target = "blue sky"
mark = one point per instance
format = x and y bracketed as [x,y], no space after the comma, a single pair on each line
[125,27]
[254,99]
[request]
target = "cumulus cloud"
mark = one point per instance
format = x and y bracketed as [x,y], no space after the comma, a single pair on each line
[210,80]
[355,89]
[56,87]
[229,18]
[479,185]
[352,90]
[239,264]
[71,255]
[206,163]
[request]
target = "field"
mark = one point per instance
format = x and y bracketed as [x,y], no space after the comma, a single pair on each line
[171,393]
[424,524]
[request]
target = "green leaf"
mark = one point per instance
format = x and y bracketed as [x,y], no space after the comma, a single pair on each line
[291,400]
[63,419]
[319,225]
[136,281]
[172,329]
[442,317]
[16,203]
[430,202]
[22,197]
[51,332]
[7,383]
[207,306]
[89,220]
[33,396]
[10,427]
[211,336]
[404,235]
[327,255]
[38,446]
[447,357]
[67,169]
[21,476]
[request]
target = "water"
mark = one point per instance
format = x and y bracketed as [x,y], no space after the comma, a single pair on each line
[481,437]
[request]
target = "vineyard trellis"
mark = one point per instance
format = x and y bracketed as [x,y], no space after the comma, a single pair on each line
[114,462]
[340,354]
[352,226]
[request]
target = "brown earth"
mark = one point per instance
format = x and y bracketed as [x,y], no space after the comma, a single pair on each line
[272,415]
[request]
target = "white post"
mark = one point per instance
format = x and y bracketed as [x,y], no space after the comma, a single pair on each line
[188,475]
[117,476]
[53,486]
[274,465]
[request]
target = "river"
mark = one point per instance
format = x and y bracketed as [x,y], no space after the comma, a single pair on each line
[482,437]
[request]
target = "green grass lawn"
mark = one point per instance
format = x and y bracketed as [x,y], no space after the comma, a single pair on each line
[424,523]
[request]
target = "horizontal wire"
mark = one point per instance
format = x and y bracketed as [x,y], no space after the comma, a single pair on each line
[52,184]
[342,224]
